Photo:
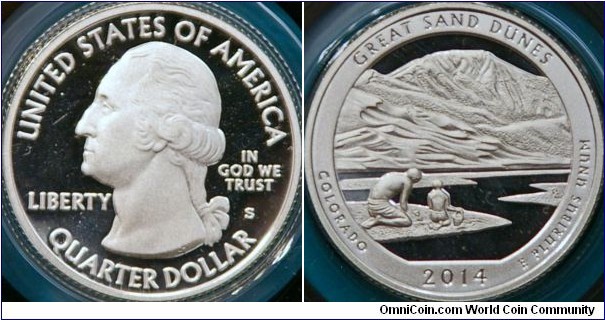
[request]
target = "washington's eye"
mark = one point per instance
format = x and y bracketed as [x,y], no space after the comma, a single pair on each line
[106,106]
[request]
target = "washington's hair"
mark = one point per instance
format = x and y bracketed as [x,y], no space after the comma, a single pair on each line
[184,104]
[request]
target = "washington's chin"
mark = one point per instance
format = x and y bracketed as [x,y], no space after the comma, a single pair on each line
[86,169]
[89,170]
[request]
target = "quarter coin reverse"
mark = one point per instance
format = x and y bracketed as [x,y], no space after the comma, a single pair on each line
[454,151]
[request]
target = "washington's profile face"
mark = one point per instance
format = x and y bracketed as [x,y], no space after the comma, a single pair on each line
[110,153]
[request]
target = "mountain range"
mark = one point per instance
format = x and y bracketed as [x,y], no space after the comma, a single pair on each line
[456,109]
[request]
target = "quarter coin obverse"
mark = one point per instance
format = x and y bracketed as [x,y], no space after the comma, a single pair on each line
[152,151]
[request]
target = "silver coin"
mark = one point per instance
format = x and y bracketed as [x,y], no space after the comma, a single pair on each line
[151,152]
[454,151]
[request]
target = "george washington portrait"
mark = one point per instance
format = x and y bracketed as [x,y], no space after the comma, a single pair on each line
[151,133]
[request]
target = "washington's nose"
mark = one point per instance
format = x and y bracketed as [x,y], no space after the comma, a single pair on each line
[85,127]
